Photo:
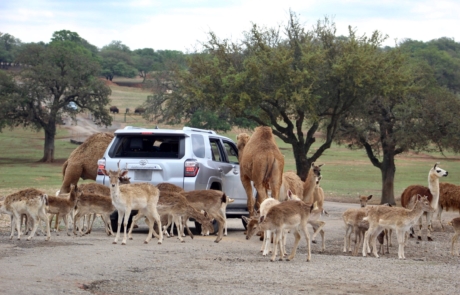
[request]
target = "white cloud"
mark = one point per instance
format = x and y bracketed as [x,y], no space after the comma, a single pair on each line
[180,24]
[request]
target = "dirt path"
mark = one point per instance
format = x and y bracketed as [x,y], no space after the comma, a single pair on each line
[92,264]
[85,127]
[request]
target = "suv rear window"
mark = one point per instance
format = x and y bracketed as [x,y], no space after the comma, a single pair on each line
[148,146]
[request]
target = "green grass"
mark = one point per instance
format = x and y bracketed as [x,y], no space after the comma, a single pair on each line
[345,173]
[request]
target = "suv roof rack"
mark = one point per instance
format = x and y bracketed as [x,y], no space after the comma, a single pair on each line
[185,128]
[133,127]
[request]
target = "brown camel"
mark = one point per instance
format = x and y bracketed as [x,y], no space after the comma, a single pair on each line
[82,162]
[262,163]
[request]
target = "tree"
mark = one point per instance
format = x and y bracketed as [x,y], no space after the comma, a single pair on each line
[441,55]
[144,60]
[116,61]
[58,74]
[407,110]
[66,35]
[9,46]
[288,81]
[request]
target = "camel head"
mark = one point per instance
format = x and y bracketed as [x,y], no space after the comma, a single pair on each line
[241,141]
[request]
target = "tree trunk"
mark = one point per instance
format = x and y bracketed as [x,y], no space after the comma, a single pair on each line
[301,161]
[48,154]
[388,170]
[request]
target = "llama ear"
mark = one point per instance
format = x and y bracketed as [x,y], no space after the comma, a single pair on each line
[437,163]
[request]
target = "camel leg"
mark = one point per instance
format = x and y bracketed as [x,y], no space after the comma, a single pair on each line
[248,188]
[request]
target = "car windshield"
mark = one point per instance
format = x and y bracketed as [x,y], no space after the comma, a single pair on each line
[148,146]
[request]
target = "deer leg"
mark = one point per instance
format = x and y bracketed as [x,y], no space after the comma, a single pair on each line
[400,235]
[275,246]
[176,220]
[66,222]
[429,229]
[220,220]
[346,238]
[120,218]
[170,220]
[157,218]
[419,227]
[318,229]
[125,224]
[138,216]
[454,240]
[323,243]
[307,238]
[17,218]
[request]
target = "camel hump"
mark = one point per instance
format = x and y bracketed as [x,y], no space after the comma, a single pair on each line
[269,169]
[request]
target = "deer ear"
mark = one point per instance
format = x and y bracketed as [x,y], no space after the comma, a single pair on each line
[261,219]
[370,197]
[245,219]
[104,172]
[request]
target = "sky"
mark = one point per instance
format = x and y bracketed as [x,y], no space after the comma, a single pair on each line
[184,24]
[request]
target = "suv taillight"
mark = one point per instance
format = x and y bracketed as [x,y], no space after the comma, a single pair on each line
[100,166]
[191,168]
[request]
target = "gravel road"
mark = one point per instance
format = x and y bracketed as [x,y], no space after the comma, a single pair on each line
[92,264]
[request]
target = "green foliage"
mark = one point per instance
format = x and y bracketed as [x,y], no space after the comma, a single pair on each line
[287,79]
[406,110]
[116,61]
[9,46]
[441,56]
[57,74]
[66,35]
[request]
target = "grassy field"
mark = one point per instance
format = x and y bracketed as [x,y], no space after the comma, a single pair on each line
[345,173]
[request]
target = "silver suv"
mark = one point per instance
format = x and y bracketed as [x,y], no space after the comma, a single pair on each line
[190,158]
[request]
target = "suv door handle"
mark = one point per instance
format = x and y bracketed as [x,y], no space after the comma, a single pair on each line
[235,171]
[220,169]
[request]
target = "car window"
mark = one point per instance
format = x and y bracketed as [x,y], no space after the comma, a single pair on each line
[232,152]
[198,145]
[215,151]
[147,146]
